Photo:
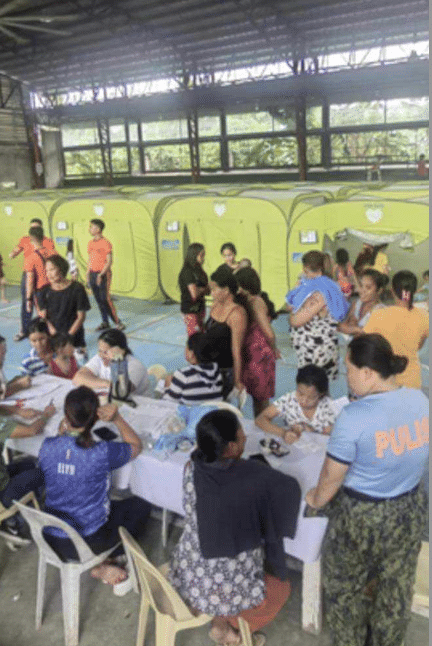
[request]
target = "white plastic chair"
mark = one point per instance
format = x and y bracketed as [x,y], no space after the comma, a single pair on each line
[172,614]
[6,512]
[70,571]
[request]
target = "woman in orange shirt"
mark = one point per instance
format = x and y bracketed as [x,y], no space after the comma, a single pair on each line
[404,326]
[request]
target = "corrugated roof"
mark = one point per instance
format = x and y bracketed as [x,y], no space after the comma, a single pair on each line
[118,41]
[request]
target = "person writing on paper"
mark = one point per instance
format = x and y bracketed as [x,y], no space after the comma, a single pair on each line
[376,457]
[18,478]
[308,408]
[76,471]
[237,512]
[97,372]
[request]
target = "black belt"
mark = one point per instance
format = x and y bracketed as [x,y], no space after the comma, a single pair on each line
[363,497]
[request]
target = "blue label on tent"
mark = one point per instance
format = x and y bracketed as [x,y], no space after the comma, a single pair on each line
[296,257]
[62,240]
[173,245]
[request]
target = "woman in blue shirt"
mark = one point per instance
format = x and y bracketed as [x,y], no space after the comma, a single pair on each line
[76,471]
[376,456]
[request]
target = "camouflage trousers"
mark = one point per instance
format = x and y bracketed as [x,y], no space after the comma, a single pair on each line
[367,541]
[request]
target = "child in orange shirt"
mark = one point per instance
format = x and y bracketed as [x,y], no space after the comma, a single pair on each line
[99,274]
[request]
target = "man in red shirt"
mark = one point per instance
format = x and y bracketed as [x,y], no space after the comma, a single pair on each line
[99,274]
[26,246]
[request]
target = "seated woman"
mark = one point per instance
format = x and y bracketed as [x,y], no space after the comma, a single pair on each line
[202,380]
[308,408]
[97,372]
[218,565]
[63,364]
[371,285]
[38,359]
[76,469]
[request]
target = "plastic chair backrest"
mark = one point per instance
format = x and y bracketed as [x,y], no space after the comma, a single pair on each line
[154,586]
[40,519]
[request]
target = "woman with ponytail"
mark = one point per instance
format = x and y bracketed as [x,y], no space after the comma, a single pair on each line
[404,326]
[237,513]
[369,488]
[76,470]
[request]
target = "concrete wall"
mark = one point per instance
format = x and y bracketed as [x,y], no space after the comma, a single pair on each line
[52,158]
[15,166]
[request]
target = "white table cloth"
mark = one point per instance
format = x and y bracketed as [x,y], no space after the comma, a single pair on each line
[157,477]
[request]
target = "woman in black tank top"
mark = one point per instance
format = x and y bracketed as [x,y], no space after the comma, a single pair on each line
[227,325]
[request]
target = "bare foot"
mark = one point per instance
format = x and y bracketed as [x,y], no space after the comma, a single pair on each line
[110,574]
[222,632]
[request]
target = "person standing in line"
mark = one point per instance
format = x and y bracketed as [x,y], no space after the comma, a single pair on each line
[228,253]
[26,247]
[193,283]
[99,274]
[405,327]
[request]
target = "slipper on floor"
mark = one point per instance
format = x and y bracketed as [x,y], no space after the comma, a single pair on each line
[122,588]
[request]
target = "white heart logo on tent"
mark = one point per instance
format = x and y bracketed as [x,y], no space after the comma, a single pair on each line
[220,209]
[8,210]
[374,215]
[98,209]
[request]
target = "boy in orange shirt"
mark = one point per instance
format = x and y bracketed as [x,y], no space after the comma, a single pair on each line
[99,274]
[34,266]
[25,245]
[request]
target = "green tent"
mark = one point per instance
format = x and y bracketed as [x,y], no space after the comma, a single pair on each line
[348,223]
[257,227]
[129,228]
[16,213]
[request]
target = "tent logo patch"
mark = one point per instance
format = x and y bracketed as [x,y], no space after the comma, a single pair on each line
[220,209]
[8,209]
[99,209]
[374,214]
[172,245]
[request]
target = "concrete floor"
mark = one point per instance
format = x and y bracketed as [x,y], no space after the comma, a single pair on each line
[106,619]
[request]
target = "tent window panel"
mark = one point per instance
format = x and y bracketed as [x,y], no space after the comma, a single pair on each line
[83,162]
[119,160]
[209,153]
[159,130]
[79,134]
[354,114]
[407,110]
[167,158]
[263,153]
[313,150]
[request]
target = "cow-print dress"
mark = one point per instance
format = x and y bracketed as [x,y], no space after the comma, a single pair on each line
[317,342]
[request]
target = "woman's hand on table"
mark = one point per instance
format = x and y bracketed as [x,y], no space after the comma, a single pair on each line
[292,434]
[27,413]
[108,412]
